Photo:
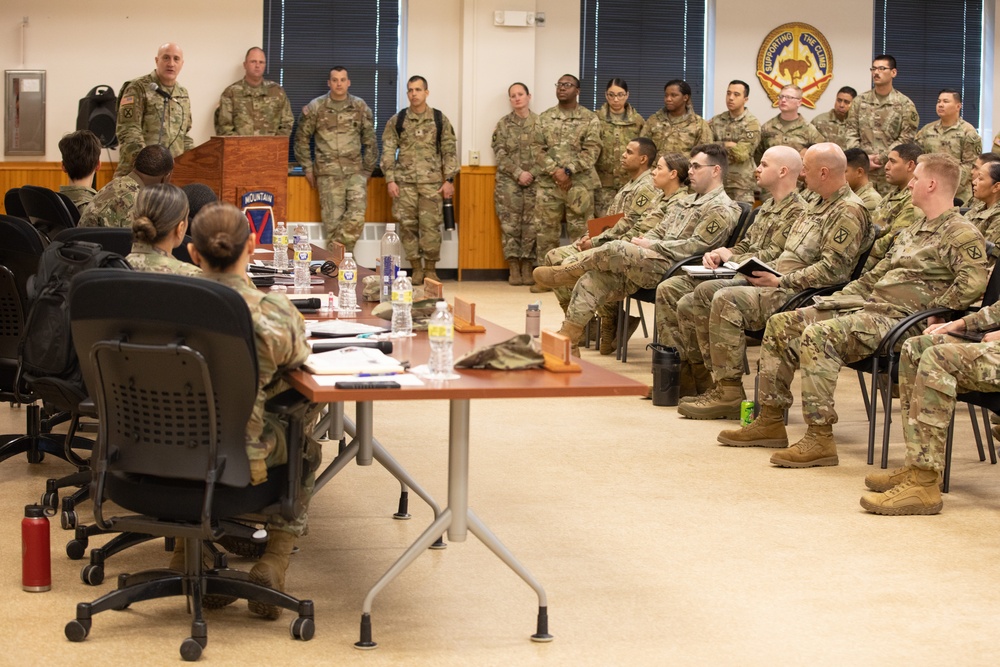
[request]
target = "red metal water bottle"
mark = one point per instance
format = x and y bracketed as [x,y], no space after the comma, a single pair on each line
[36,560]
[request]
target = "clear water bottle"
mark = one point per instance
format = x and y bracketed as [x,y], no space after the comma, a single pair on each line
[402,304]
[347,293]
[390,251]
[303,257]
[280,243]
[441,331]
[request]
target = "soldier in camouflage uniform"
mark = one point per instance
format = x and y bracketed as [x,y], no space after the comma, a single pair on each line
[114,204]
[154,109]
[833,124]
[881,118]
[676,128]
[609,273]
[995,149]
[986,190]
[765,239]
[253,106]
[279,333]
[739,132]
[788,128]
[954,136]
[821,250]
[161,214]
[571,146]
[857,177]
[938,261]
[620,124]
[517,147]
[343,129]
[81,158]
[895,212]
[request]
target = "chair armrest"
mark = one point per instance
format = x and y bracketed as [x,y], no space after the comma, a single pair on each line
[287,403]
[898,331]
[293,406]
[88,408]
[676,266]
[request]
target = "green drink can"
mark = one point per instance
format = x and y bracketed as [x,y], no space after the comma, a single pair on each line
[746,412]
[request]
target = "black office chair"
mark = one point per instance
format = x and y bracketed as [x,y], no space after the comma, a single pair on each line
[12,204]
[172,365]
[74,212]
[115,239]
[46,210]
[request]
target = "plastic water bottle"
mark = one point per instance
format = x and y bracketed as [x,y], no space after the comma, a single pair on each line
[303,257]
[347,299]
[280,243]
[390,251]
[441,331]
[402,303]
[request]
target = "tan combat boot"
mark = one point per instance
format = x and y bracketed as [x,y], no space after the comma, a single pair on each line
[768,430]
[883,480]
[177,564]
[919,492]
[429,270]
[526,269]
[703,382]
[564,275]
[609,335]
[270,571]
[417,269]
[816,448]
[515,272]
[574,332]
[721,402]
[688,387]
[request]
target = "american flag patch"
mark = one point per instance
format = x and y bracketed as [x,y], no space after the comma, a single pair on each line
[128,99]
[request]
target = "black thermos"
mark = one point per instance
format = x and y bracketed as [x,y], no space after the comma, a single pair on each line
[448,210]
[666,375]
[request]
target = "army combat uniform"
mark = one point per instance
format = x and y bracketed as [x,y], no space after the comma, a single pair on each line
[413,162]
[616,133]
[869,197]
[939,262]
[876,124]
[894,214]
[144,257]
[797,134]
[246,110]
[113,205]
[676,135]
[961,141]
[346,154]
[987,221]
[571,141]
[141,111]
[80,195]
[517,147]
[744,130]
[832,128]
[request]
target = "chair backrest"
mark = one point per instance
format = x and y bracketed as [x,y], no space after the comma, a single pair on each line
[74,212]
[747,215]
[992,292]
[170,361]
[21,245]
[12,203]
[11,326]
[45,210]
[115,239]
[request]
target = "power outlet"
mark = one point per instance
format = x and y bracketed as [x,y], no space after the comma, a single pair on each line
[474,158]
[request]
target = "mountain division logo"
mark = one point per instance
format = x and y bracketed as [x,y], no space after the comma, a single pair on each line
[258,207]
[795,53]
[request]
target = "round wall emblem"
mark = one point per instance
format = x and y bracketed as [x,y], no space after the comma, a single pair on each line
[795,53]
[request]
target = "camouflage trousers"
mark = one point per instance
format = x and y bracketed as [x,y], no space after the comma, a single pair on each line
[555,257]
[515,206]
[551,204]
[614,270]
[821,342]
[342,203]
[313,456]
[675,299]
[418,210]
[669,293]
[932,371]
[603,199]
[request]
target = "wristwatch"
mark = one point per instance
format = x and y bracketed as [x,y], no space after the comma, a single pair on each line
[568,172]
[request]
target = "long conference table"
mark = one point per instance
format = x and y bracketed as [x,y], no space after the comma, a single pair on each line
[457,519]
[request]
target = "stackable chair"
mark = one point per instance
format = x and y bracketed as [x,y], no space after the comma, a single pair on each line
[12,204]
[46,210]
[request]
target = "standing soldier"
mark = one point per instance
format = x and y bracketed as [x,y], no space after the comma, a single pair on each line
[954,136]
[676,128]
[833,124]
[788,128]
[154,109]
[880,119]
[516,146]
[420,161]
[739,132]
[620,124]
[253,106]
[344,132]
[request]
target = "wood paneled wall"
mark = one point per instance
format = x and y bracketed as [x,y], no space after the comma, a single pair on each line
[479,230]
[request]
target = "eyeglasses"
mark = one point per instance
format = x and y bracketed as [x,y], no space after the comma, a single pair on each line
[565,84]
[788,98]
[616,96]
[880,68]
[695,166]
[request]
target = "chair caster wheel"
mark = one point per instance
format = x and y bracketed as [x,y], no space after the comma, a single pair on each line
[190,650]
[76,549]
[67,520]
[50,499]
[35,456]
[92,575]
[77,630]
[302,628]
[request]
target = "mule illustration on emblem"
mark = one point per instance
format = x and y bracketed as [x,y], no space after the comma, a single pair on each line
[795,53]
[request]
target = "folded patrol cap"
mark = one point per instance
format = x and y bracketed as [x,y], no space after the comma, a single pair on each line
[515,354]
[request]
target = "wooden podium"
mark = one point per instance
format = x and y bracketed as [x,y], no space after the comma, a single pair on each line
[233,166]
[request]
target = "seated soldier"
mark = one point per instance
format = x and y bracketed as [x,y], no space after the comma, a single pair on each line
[986,189]
[985,158]
[114,204]
[940,260]
[81,158]
[698,222]
[161,220]
[821,249]
[895,212]
[857,177]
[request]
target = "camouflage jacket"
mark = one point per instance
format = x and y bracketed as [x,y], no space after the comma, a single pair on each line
[140,111]
[247,110]
[694,224]
[744,130]
[996,144]
[344,133]
[634,199]
[832,128]
[796,133]
[877,124]
[113,205]
[80,195]
[894,214]
[765,238]
[824,244]
[987,221]
[616,132]
[676,135]
[570,140]
[517,146]
[869,196]
[653,215]
[413,157]
[145,257]
[939,262]
[961,141]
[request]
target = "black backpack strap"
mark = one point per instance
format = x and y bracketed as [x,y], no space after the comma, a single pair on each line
[438,124]
[400,117]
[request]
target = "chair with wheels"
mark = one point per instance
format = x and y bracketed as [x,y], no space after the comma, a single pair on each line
[46,210]
[74,212]
[12,204]
[115,239]
[171,364]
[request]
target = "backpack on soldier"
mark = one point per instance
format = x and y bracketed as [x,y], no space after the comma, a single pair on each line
[46,347]
[438,124]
